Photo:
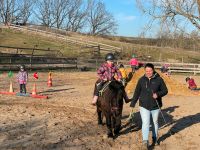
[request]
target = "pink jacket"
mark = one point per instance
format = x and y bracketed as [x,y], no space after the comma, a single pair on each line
[192,84]
[108,72]
[133,62]
[22,77]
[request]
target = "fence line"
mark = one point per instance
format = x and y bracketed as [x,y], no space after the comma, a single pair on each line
[173,67]
[68,39]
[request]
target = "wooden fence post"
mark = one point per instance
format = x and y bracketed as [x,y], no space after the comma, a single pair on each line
[10,63]
[96,64]
[76,61]
[99,48]
[31,58]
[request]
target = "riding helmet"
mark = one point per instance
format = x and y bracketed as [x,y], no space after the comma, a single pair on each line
[186,79]
[133,56]
[22,67]
[109,56]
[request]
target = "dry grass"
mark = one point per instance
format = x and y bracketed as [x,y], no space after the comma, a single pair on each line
[19,39]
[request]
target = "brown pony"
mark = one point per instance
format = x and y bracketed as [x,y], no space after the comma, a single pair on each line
[110,103]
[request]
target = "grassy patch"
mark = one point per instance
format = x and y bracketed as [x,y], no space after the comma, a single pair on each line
[144,52]
[18,39]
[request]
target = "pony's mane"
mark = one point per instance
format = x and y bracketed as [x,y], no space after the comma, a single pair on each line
[115,86]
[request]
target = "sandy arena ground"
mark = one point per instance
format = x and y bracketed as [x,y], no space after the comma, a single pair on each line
[67,121]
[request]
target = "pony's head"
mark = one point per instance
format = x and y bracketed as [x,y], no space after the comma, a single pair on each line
[118,94]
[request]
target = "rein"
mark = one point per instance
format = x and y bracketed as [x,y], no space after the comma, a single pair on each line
[104,88]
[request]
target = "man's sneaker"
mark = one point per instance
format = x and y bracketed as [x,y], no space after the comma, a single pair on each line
[155,141]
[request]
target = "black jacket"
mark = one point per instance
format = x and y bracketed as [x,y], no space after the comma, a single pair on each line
[145,89]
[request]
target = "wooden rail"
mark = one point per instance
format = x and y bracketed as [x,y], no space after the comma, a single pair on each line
[32,50]
[11,61]
[79,41]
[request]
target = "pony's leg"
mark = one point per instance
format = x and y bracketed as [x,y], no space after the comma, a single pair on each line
[117,125]
[109,125]
[99,112]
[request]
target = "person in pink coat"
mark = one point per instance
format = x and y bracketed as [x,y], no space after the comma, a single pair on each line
[191,84]
[22,78]
[134,63]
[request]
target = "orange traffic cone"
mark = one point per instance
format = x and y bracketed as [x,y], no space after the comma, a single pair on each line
[49,83]
[34,90]
[11,87]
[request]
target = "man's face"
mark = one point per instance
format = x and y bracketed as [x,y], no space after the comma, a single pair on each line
[148,72]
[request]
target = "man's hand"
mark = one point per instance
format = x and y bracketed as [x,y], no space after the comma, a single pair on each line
[155,96]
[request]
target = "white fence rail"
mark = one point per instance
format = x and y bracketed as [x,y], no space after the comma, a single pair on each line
[174,67]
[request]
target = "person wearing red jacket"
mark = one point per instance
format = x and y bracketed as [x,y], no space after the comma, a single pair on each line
[134,63]
[191,83]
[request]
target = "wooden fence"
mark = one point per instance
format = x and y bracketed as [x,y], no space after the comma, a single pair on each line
[36,62]
[52,59]
[68,39]
[180,67]
[30,51]
[173,67]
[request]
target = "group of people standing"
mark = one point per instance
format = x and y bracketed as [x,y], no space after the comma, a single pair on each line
[149,91]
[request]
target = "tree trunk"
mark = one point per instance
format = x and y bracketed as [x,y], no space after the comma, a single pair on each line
[198,3]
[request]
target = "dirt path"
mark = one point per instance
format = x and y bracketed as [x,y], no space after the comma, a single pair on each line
[67,121]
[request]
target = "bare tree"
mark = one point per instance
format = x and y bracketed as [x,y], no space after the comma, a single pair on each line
[44,12]
[24,11]
[7,11]
[59,12]
[172,12]
[100,20]
[76,18]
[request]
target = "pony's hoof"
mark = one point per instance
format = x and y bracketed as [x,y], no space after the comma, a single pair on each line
[110,135]
[100,123]
[116,132]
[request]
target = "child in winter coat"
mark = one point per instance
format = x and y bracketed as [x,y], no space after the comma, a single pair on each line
[106,72]
[22,78]
[191,83]
[134,63]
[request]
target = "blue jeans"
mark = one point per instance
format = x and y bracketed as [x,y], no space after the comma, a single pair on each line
[145,115]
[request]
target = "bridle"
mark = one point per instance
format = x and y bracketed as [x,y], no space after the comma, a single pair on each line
[114,96]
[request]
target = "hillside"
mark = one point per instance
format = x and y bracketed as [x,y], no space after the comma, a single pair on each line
[13,38]
[10,37]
